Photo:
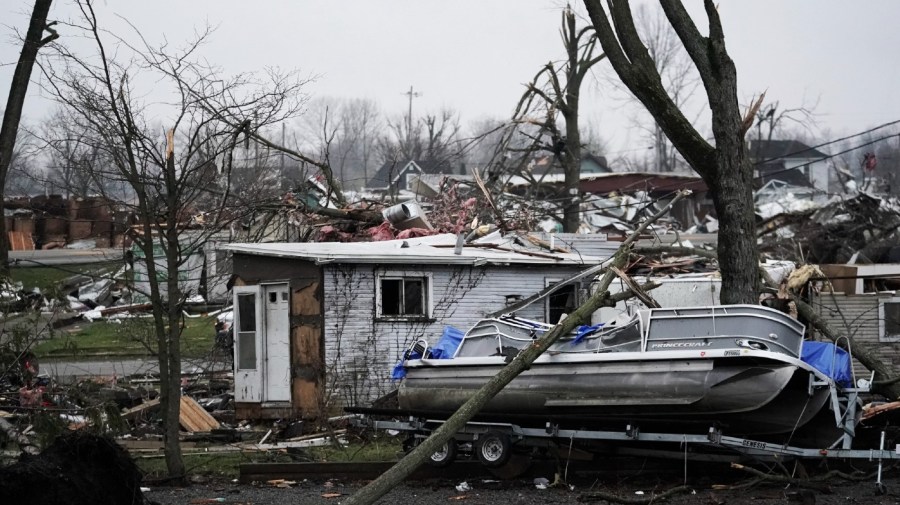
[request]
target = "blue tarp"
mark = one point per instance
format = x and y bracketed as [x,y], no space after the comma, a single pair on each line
[444,349]
[585,330]
[447,345]
[828,359]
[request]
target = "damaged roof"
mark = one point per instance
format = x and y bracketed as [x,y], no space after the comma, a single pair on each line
[435,249]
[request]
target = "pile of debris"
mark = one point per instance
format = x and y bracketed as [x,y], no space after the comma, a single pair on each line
[861,229]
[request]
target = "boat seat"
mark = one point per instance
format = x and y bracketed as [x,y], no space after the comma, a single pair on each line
[627,335]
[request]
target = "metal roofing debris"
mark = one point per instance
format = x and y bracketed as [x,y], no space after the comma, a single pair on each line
[433,249]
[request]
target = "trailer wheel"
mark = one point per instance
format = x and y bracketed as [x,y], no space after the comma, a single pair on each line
[493,449]
[445,455]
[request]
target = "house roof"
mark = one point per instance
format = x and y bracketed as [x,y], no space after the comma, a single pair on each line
[782,149]
[775,171]
[388,172]
[640,181]
[436,249]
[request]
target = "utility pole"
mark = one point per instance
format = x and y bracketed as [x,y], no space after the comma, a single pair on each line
[281,182]
[411,94]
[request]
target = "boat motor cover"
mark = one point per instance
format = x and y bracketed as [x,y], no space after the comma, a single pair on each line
[445,348]
[828,359]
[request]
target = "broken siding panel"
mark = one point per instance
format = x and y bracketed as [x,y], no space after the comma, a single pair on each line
[858,317]
[361,351]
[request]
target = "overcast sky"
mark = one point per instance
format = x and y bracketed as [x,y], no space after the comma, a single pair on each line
[475,55]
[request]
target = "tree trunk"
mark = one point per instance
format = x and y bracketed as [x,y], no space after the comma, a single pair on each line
[724,167]
[13,114]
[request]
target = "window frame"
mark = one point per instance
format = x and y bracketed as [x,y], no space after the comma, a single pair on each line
[882,320]
[427,292]
[257,331]
[550,281]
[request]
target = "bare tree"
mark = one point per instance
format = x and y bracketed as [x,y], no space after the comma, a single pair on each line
[725,167]
[561,96]
[433,139]
[34,40]
[678,74]
[348,132]
[175,169]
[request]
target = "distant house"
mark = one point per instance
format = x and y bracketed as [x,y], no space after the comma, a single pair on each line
[788,160]
[396,176]
[318,326]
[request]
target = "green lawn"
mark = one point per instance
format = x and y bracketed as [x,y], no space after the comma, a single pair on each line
[47,278]
[130,337]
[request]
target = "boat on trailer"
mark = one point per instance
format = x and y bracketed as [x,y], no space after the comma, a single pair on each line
[741,367]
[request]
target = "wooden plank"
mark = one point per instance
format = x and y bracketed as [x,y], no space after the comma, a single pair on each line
[194,418]
[135,412]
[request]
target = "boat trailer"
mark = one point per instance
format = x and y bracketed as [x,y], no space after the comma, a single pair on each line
[493,444]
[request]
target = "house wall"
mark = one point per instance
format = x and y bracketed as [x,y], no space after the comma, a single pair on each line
[360,350]
[306,322]
[816,170]
[858,316]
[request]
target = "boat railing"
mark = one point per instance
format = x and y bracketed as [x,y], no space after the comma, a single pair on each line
[418,349]
[720,327]
[834,356]
[495,339]
[506,336]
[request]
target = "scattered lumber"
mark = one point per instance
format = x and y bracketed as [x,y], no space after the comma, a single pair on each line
[144,408]
[193,418]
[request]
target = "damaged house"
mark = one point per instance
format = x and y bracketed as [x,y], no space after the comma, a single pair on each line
[318,326]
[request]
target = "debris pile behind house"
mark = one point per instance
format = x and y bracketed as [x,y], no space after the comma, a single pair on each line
[861,229]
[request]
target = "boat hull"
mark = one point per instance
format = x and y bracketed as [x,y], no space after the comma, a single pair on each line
[749,396]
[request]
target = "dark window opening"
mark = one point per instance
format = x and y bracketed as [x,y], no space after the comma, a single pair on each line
[563,301]
[403,297]
[892,319]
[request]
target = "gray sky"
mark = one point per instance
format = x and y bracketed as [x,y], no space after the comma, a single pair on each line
[475,55]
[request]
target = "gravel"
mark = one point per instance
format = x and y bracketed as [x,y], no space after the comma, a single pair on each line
[524,492]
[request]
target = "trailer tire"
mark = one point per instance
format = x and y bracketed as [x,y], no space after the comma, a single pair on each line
[493,449]
[445,455]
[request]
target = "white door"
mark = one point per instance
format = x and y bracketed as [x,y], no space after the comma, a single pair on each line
[277,347]
[248,332]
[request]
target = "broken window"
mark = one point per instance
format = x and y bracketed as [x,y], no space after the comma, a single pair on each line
[563,301]
[403,296]
[890,319]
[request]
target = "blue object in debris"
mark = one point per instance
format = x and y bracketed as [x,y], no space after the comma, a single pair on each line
[828,359]
[585,330]
[444,349]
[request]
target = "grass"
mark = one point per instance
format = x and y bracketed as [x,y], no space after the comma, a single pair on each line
[130,337]
[47,279]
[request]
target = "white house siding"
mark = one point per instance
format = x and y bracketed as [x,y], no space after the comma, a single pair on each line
[857,316]
[816,170]
[360,351]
